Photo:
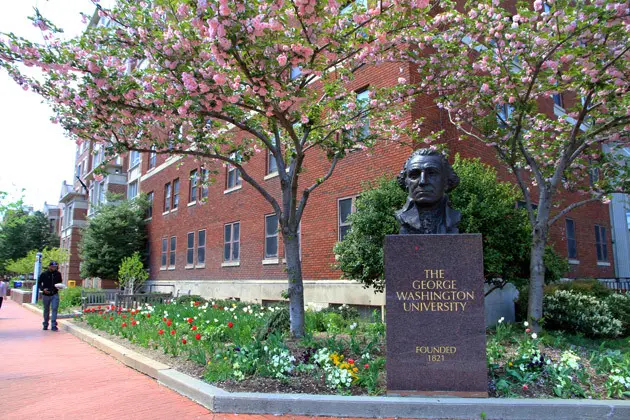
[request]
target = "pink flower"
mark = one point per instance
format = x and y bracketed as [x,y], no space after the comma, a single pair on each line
[485,88]
[219,79]
[282,59]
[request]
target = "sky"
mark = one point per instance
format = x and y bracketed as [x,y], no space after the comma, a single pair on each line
[34,153]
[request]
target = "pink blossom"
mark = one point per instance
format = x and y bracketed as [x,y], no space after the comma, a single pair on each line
[282,59]
[219,79]
[485,88]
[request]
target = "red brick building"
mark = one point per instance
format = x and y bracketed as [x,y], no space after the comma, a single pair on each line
[194,231]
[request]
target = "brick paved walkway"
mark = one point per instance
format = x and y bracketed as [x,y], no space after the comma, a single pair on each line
[54,375]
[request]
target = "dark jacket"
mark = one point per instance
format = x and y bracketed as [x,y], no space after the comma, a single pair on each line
[409,219]
[47,280]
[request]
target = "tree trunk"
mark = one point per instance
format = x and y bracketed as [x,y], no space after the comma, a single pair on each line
[296,286]
[537,278]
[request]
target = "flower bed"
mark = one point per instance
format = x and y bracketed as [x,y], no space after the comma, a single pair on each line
[244,347]
[236,345]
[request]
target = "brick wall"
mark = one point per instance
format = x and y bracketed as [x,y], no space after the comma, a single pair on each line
[320,220]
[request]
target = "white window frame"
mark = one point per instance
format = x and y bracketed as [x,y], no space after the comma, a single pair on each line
[168,193]
[231,242]
[268,235]
[134,158]
[190,250]
[164,254]
[132,190]
[175,204]
[193,191]
[201,246]
[172,253]
[341,224]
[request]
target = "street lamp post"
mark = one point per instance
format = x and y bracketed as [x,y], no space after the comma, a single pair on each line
[36,271]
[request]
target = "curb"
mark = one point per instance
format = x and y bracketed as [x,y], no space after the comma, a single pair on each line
[35,309]
[220,401]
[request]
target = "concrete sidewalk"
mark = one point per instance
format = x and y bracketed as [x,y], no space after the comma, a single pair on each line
[54,375]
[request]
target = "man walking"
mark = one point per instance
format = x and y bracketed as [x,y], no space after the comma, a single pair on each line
[46,284]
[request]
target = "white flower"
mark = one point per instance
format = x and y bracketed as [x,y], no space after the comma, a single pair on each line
[501,319]
[526,324]
[353,326]
[534,336]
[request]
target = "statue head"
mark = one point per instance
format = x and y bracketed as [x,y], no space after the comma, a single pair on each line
[427,176]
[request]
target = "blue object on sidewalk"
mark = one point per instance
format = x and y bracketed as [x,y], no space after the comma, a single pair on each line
[17,284]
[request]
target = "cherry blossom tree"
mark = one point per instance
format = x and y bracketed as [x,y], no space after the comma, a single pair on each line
[223,81]
[495,68]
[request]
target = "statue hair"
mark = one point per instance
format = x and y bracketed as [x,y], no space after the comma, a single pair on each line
[452,180]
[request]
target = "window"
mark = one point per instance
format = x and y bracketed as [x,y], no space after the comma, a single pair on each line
[132,190]
[271,236]
[79,171]
[152,158]
[601,244]
[558,100]
[164,251]
[150,206]
[167,197]
[272,165]
[362,129]
[175,193]
[190,249]
[171,255]
[134,158]
[192,191]
[593,174]
[231,241]
[204,183]
[201,248]
[345,209]
[233,177]
[571,242]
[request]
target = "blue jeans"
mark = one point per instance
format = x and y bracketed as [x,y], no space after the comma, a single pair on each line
[54,299]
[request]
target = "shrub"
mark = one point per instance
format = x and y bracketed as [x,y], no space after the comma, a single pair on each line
[619,305]
[589,287]
[575,312]
[132,275]
[278,322]
[186,299]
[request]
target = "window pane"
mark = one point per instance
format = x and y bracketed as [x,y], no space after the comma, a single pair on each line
[173,243]
[189,256]
[191,240]
[230,182]
[570,229]
[235,249]
[227,233]
[604,252]
[172,259]
[345,209]
[201,255]
[271,247]
[226,252]
[272,166]
[237,231]
[271,225]
[597,240]
[201,238]
[572,248]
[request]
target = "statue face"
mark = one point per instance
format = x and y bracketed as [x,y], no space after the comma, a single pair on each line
[426,181]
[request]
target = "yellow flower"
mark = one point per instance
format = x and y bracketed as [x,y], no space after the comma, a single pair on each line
[355,370]
[510,364]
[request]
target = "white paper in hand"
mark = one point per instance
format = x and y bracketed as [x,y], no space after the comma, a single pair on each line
[60,286]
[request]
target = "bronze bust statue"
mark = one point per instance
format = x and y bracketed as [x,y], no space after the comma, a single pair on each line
[427,177]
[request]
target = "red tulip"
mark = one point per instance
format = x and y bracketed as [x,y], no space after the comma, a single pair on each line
[134,322]
[183,341]
[525,387]
[366,366]
[124,316]
[528,330]
[194,328]
[169,323]
[230,324]
[190,320]
[148,315]
[161,332]
[124,324]
[198,336]
[173,332]
[111,318]
[351,361]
